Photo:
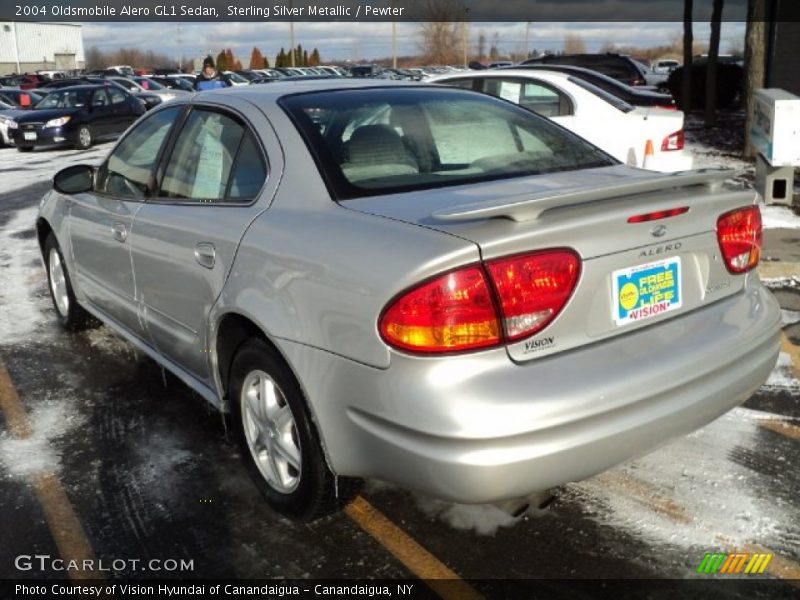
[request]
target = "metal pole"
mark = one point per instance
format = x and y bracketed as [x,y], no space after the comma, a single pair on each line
[466,36]
[291,33]
[527,38]
[394,38]
[16,47]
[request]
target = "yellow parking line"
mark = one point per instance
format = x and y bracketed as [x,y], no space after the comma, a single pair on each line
[793,351]
[780,566]
[408,551]
[66,529]
[790,430]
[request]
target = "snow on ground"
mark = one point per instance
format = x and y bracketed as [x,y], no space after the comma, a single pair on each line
[36,454]
[699,491]
[22,273]
[21,169]
[779,217]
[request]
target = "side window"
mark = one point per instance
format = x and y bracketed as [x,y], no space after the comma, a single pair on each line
[117,97]
[129,168]
[99,98]
[201,166]
[536,96]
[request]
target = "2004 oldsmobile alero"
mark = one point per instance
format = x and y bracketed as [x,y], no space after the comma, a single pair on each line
[420,284]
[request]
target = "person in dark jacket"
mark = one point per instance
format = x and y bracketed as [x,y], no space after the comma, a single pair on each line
[209,78]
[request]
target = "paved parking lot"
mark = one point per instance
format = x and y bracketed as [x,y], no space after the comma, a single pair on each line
[103,455]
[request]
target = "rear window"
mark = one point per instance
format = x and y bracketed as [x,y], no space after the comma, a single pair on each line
[613,100]
[380,141]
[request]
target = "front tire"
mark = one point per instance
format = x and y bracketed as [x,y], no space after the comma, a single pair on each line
[69,314]
[278,438]
[83,139]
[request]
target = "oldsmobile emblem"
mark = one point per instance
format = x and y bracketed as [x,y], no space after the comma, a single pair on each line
[658,230]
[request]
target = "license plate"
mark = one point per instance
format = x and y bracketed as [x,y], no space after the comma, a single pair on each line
[646,291]
[29,135]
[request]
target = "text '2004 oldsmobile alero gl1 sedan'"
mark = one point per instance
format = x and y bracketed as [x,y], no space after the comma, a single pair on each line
[424,285]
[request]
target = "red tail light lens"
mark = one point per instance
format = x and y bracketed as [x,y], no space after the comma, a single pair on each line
[659,214]
[740,238]
[452,312]
[533,288]
[673,141]
[667,106]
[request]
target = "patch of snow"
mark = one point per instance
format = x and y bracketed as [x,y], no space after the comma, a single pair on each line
[698,491]
[28,168]
[782,375]
[789,317]
[36,454]
[779,217]
[23,273]
[781,282]
[483,519]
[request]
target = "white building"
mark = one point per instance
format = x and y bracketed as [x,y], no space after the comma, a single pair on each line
[29,47]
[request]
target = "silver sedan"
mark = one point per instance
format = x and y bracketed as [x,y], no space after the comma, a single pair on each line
[419,284]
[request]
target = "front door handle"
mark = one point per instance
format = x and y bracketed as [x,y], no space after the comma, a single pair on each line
[119,231]
[205,254]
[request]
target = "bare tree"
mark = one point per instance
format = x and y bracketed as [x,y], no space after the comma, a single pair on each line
[711,68]
[95,59]
[755,59]
[494,51]
[574,44]
[688,39]
[439,31]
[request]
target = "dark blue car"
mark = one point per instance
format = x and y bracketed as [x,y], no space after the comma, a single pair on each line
[76,116]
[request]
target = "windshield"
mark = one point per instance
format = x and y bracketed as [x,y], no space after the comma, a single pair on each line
[64,99]
[377,141]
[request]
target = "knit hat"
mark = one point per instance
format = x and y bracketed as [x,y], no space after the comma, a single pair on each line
[208,62]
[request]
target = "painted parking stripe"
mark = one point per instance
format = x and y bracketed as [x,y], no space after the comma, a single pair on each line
[65,527]
[440,578]
[784,428]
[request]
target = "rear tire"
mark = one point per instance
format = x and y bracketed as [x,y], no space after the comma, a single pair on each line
[278,438]
[69,313]
[83,139]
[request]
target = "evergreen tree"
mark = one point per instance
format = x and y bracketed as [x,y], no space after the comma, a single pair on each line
[230,59]
[305,58]
[256,59]
[280,60]
[265,63]
[221,63]
[314,59]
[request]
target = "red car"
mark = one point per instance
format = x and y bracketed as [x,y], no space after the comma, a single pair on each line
[24,82]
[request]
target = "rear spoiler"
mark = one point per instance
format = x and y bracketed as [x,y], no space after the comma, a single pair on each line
[525,207]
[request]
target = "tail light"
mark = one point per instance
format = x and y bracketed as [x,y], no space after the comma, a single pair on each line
[740,238]
[462,310]
[658,215]
[673,141]
[533,288]
[667,106]
[454,311]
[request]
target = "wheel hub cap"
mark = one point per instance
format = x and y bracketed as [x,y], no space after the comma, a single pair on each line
[58,283]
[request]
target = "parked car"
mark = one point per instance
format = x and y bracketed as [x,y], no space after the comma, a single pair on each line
[76,116]
[622,68]
[173,82]
[149,99]
[636,96]
[7,112]
[147,87]
[441,289]
[20,98]
[24,82]
[665,65]
[622,130]
[730,82]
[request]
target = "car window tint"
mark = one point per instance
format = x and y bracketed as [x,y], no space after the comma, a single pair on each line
[130,166]
[117,97]
[200,164]
[99,98]
[249,173]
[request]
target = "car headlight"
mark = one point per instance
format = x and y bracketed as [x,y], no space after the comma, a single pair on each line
[57,122]
[12,124]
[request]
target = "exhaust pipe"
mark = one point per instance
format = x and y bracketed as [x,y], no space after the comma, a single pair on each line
[516,507]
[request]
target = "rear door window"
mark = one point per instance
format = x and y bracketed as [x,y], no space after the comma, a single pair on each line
[535,95]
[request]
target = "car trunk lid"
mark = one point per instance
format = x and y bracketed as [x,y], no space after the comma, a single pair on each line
[589,212]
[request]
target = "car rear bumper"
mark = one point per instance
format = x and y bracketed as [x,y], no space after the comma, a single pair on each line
[480,428]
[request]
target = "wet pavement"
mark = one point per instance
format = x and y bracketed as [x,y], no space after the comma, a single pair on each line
[151,472]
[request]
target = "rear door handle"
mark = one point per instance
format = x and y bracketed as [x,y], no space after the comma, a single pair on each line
[205,254]
[119,231]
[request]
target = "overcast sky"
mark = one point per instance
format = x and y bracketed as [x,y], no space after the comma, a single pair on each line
[354,41]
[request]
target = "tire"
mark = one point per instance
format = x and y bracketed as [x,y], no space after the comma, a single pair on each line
[68,312]
[24,148]
[83,139]
[279,441]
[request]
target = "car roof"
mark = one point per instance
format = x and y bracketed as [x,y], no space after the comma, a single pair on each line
[279,88]
[81,87]
[541,73]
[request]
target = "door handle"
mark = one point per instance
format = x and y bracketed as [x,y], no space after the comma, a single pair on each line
[119,231]
[205,254]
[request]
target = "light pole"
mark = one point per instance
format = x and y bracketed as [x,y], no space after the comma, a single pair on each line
[291,33]
[16,47]
[466,35]
[527,38]
[394,37]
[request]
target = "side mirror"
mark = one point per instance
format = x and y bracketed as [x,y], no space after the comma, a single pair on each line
[74,180]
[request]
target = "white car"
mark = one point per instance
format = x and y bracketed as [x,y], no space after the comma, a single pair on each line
[162,92]
[650,138]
